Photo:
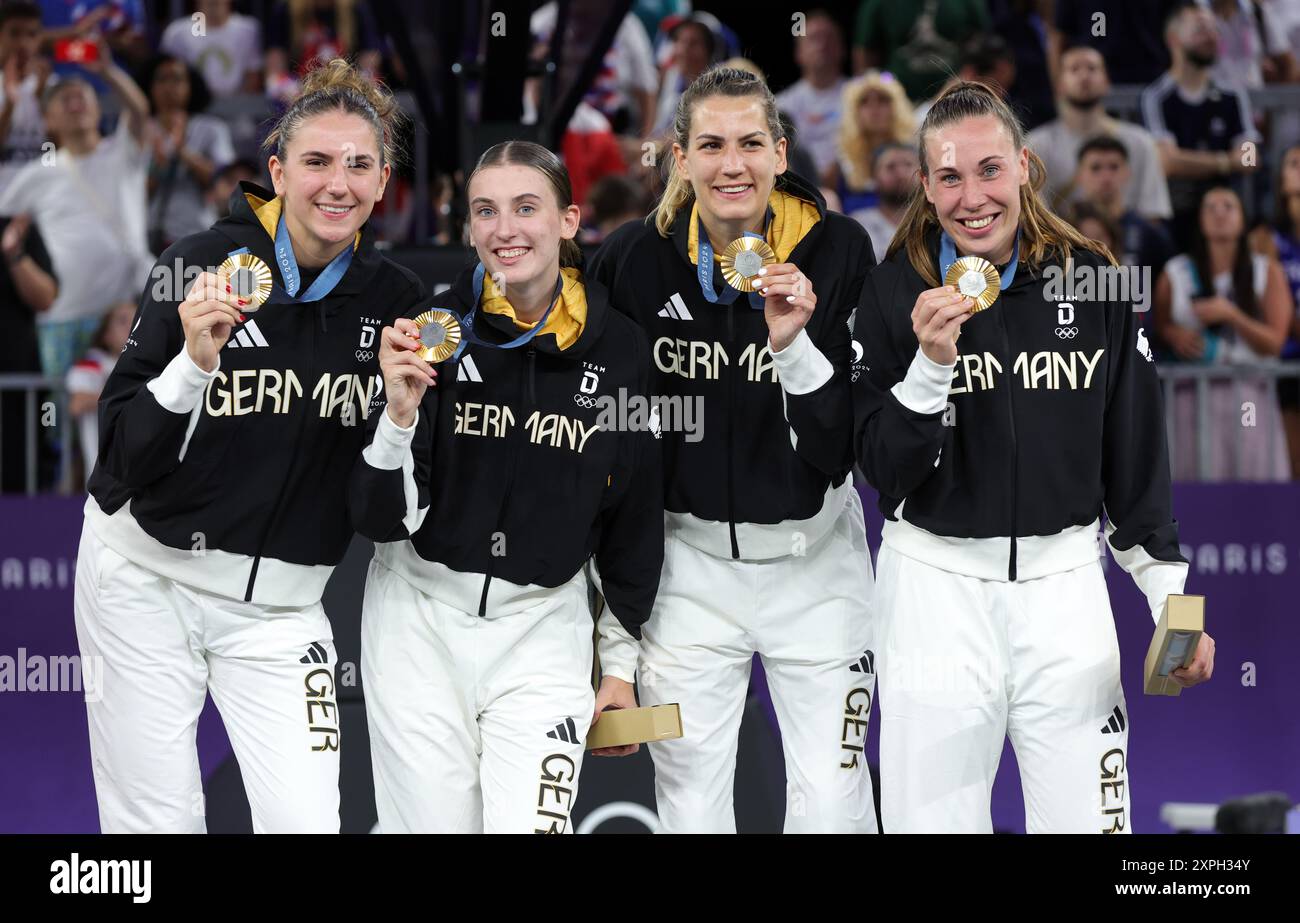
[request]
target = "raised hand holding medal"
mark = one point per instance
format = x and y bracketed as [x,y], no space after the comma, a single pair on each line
[788,302]
[406,374]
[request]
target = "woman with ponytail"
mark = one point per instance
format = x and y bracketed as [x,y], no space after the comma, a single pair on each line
[766,548]
[226,442]
[995,456]
[488,495]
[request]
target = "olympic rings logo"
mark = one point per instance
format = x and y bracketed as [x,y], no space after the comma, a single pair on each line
[1067,333]
[583,401]
[365,355]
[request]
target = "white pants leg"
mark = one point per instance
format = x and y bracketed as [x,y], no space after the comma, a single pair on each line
[144,716]
[271,671]
[964,662]
[813,634]
[476,725]
[943,710]
[163,645]
[807,616]
[1068,720]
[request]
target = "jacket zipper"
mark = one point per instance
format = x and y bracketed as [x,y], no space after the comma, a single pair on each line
[284,487]
[526,387]
[730,385]
[1015,452]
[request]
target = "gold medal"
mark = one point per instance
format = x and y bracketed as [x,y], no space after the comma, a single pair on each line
[742,259]
[439,335]
[977,279]
[249,278]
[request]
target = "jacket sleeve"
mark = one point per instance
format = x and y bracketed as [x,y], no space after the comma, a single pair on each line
[815,388]
[152,400]
[1140,527]
[631,551]
[388,493]
[900,396]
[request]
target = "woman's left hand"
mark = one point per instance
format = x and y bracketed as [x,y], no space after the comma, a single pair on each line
[1202,666]
[788,302]
[1214,310]
[615,693]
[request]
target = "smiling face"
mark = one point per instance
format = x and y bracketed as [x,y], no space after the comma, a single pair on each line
[516,224]
[974,184]
[731,160]
[330,178]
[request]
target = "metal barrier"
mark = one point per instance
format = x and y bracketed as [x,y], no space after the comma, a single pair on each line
[31,386]
[1203,377]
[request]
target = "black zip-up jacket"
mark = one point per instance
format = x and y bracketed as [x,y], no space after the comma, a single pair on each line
[506,484]
[236,480]
[774,452]
[1004,463]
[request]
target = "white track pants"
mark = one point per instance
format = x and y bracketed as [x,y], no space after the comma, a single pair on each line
[963,663]
[162,647]
[476,725]
[807,617]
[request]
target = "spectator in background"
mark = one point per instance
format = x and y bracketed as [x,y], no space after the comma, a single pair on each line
[895,172]
[1083,87]
[694,49]
[985,59]
[589,150]
[1103,174]
[813,102]
[1282,242]
[1220,304]
[1199,126]
[27,289]
[1021,24]
[85,380]
[121,23]
[876,112]
[188,149]
[1252,46]
[226,180]
[90,207]
[612,202]
[624,88]
[1127,33]
[302,32]
[24,73]
[1095,224]
[224,46]
[919,42]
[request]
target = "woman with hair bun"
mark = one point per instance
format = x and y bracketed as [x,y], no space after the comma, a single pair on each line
[995,457]
[227,439]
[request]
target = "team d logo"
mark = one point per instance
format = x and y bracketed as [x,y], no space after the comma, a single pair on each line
[590,380]
[367,337]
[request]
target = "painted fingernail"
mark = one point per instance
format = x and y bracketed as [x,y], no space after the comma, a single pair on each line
[762,270]
[789,298]
[228,288]
[242,318]
[243,301]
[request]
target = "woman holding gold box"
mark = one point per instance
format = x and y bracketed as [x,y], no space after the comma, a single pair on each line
[995,456]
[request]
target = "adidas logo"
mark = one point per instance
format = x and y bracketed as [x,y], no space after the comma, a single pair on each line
[248,336]
[315,654]
[866,663]
[675,308]
[564,731]
[466,370]
[1115,724]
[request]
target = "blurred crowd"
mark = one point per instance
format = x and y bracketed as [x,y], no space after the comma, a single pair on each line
[1190,177]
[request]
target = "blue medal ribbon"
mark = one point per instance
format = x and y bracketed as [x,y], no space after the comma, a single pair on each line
[704,269]
[948,256]
[467,333]
[324,283]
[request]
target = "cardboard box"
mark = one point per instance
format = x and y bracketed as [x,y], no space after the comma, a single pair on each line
[619,727]
[1174,643]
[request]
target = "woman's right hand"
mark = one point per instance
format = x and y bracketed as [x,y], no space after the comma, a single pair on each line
[1185,342]
[406,375]
[208,314]
[937,317]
